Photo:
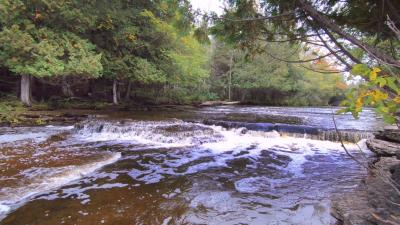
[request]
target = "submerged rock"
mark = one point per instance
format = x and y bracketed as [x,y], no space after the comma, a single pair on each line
[258,118]
[55,138]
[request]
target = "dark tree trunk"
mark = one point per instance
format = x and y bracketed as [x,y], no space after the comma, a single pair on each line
[128,91]
[244,94]
[66,88]
[26,96]
[115,92]
[91,89]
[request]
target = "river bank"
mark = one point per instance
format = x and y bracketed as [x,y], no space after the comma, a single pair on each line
[376,199]
[13,114]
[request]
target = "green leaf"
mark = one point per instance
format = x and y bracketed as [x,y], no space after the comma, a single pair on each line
[361,69]
[381,81]
[391,82]
[389,119]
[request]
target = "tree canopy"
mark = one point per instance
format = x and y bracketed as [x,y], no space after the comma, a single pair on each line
[353,34]
[159,52]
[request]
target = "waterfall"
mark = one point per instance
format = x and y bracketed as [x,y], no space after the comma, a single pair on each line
[160,132]
[298,131]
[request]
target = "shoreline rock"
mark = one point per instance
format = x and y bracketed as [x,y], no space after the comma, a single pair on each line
[217,103]
[383,148]
[375,200]
[392,135]
[46,118]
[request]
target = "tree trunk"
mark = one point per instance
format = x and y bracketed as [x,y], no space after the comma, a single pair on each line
[230,76]
[115,94]
[26,98]
[90,89]
[243,96]
[66,88]
[128,91]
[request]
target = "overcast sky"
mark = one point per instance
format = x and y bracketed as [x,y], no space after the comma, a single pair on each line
[208,5]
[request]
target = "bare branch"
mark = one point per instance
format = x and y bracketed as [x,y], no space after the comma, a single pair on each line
[323,71]
[328,24]
[342,143]
[326,45]
[299,61]
[263,18]
[393,27]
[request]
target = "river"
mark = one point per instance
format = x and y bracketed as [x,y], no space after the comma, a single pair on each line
[215,165]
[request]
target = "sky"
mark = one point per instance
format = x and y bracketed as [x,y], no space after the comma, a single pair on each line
[208,5]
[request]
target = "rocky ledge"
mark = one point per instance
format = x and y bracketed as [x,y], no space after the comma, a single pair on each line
[377,199]
[39,118]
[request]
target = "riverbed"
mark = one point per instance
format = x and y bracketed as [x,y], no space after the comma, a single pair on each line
[176,167]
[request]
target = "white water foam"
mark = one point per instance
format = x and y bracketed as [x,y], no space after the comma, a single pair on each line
[215,142]
[298,149]
[167,134]
[225,147]
[37,134]
[15,197]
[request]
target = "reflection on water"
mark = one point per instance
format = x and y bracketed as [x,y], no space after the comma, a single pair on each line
[169,172]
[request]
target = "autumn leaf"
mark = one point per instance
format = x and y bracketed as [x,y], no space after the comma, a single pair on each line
[397,99]
[379,96]
[374,73]
[359,104]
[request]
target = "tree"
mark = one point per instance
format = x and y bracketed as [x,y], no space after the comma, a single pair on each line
[128,43]
[263,79]
[346,30]
[31,49]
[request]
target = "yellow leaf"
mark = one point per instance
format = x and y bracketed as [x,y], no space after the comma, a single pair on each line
[374,73]
[359,104]
[397,99]
[379,96]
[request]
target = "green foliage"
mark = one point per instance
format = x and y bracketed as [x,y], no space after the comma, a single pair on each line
[43,53]
[357,34]
[190,59]
[142,42]
[262,79]
[144,72]
[379,90]
[10,111]
[155,48]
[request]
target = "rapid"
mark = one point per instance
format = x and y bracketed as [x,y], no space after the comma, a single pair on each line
[215,165]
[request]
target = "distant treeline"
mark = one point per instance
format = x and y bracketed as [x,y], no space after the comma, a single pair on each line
[149,52]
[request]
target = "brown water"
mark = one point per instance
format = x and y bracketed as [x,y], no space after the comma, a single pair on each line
[168,171]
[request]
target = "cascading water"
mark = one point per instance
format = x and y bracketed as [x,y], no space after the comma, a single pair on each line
[299,131]
[172,172]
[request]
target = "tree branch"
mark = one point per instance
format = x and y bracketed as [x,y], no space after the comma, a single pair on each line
[263,18]
[325,22]
[323,71]
[299,61]
[326,45]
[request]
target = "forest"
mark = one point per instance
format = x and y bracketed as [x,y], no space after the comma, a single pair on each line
[159,112]
[144,52]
